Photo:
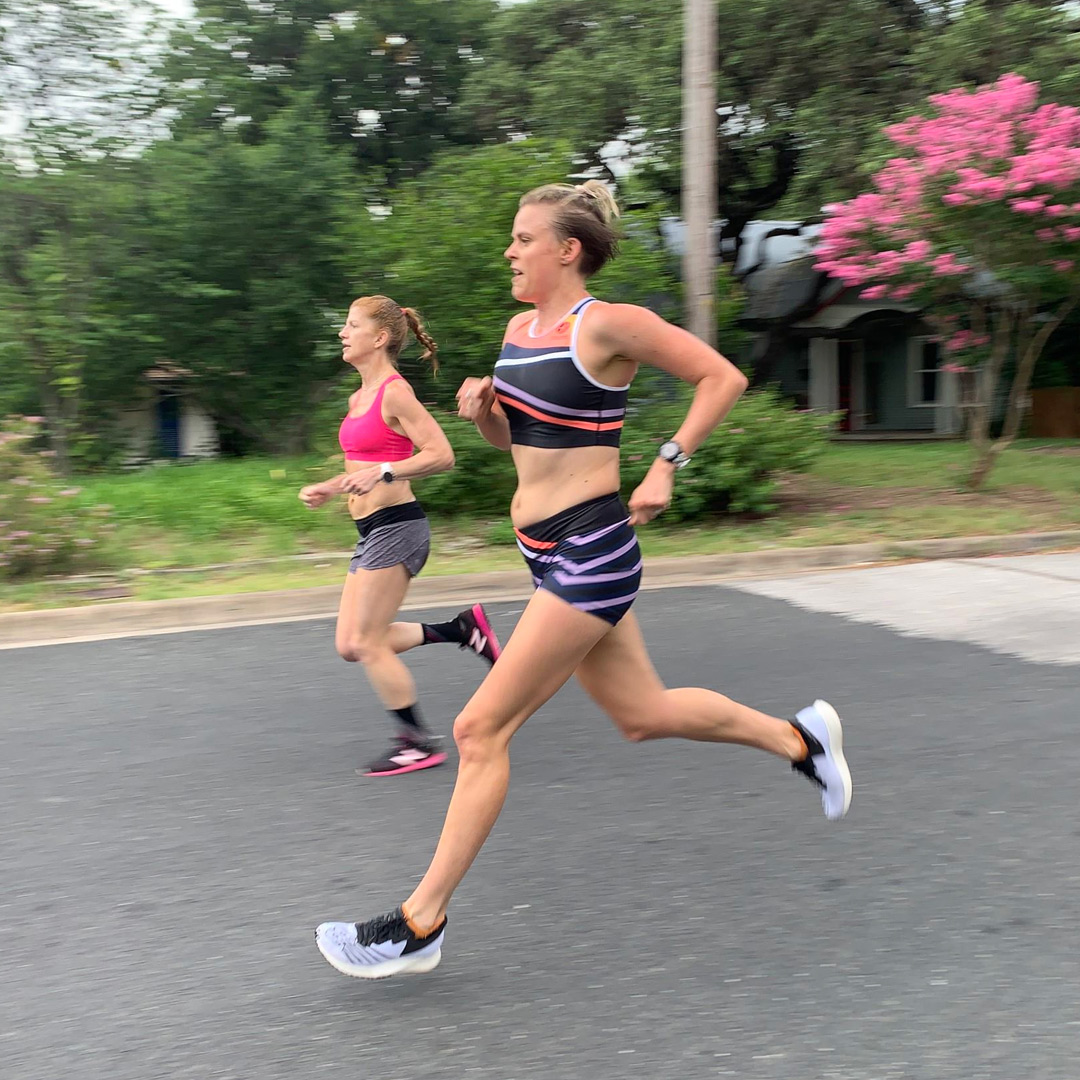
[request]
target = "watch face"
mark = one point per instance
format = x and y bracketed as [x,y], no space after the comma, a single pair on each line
[669,451]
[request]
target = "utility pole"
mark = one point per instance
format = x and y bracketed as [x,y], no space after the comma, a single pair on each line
[699,165]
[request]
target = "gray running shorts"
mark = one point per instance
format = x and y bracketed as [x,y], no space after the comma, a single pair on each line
[392,535]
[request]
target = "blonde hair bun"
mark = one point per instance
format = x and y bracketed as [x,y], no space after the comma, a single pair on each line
[600,193]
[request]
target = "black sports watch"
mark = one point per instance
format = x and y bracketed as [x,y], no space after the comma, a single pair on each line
[672,452]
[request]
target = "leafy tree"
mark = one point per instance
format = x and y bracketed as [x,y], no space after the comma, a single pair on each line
[75,77]
[977,220]
[246,255]
[72,329]
[381,78]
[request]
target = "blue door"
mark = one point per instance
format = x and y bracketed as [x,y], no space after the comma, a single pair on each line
[168,424]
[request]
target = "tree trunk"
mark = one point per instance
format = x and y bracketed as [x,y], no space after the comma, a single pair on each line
[987,451]
[983,410]
[1026,368]
[59,430]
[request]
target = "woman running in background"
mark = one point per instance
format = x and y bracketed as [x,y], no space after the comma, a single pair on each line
[390,439]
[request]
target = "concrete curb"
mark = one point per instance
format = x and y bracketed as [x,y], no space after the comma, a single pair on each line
[137,618]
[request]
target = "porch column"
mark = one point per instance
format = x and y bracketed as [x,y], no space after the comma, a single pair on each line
[947,413]
[824,375]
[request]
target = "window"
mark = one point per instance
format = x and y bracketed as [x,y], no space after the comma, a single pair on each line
[924,369]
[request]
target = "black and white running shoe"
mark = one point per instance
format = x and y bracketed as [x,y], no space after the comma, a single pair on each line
[380,948]
[407,754]
[477,633]
[825,764]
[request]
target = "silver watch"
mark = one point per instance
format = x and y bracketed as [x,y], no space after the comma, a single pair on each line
[672,452]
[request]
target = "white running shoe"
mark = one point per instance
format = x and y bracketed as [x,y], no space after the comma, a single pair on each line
[825,765]
[380,948]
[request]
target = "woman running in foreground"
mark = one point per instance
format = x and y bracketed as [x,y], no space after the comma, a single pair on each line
[389,438]
[557,402]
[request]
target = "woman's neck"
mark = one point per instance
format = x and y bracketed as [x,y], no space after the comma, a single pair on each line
[553,309]
[376,370]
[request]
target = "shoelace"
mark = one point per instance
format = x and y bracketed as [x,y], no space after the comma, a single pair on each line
[390,927]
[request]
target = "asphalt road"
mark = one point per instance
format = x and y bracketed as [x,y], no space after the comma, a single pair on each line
[178,812]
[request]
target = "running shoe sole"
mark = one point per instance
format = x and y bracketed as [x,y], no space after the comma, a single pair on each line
[415,766]
[403,965]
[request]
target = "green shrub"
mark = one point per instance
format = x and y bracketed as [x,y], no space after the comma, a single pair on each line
[42,530]
[737,469]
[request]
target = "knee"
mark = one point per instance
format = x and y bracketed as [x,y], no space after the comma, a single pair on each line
[635,730]
[360,648]
[477,735]
[636,723]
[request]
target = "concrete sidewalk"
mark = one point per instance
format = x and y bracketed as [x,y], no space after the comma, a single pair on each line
[111,619]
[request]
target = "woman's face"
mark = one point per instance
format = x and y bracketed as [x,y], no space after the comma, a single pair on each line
[538,259]
[360,337]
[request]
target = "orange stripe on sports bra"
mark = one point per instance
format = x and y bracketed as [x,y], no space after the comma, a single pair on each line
[584,425]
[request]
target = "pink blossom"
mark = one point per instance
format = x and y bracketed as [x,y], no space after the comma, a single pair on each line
[918,250]
[875,292]
[947,264]
[1057,210]
[956,198]
[34,419]
[1071,232]
[962,339]
[1027,206]
[903,292]
[1063,266]
[955,369]
[1046,235]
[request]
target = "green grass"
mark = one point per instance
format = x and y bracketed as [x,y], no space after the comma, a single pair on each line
[943,466]
[193,515]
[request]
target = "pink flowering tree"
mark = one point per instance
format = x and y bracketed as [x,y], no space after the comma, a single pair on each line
[977,221]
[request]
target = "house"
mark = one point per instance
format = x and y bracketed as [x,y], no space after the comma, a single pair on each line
[875,362]
[163,421]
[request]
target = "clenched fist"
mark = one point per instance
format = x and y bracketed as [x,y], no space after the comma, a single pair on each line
[475,398]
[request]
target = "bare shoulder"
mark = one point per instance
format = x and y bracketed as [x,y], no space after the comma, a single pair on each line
[618,324]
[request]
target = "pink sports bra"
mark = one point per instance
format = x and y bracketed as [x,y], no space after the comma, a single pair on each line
[368,437]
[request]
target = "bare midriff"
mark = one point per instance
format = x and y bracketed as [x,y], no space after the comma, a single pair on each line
[381,495]
[551,480]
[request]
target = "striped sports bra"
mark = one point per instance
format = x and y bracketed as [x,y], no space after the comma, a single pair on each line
[549,398]
[368,437]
